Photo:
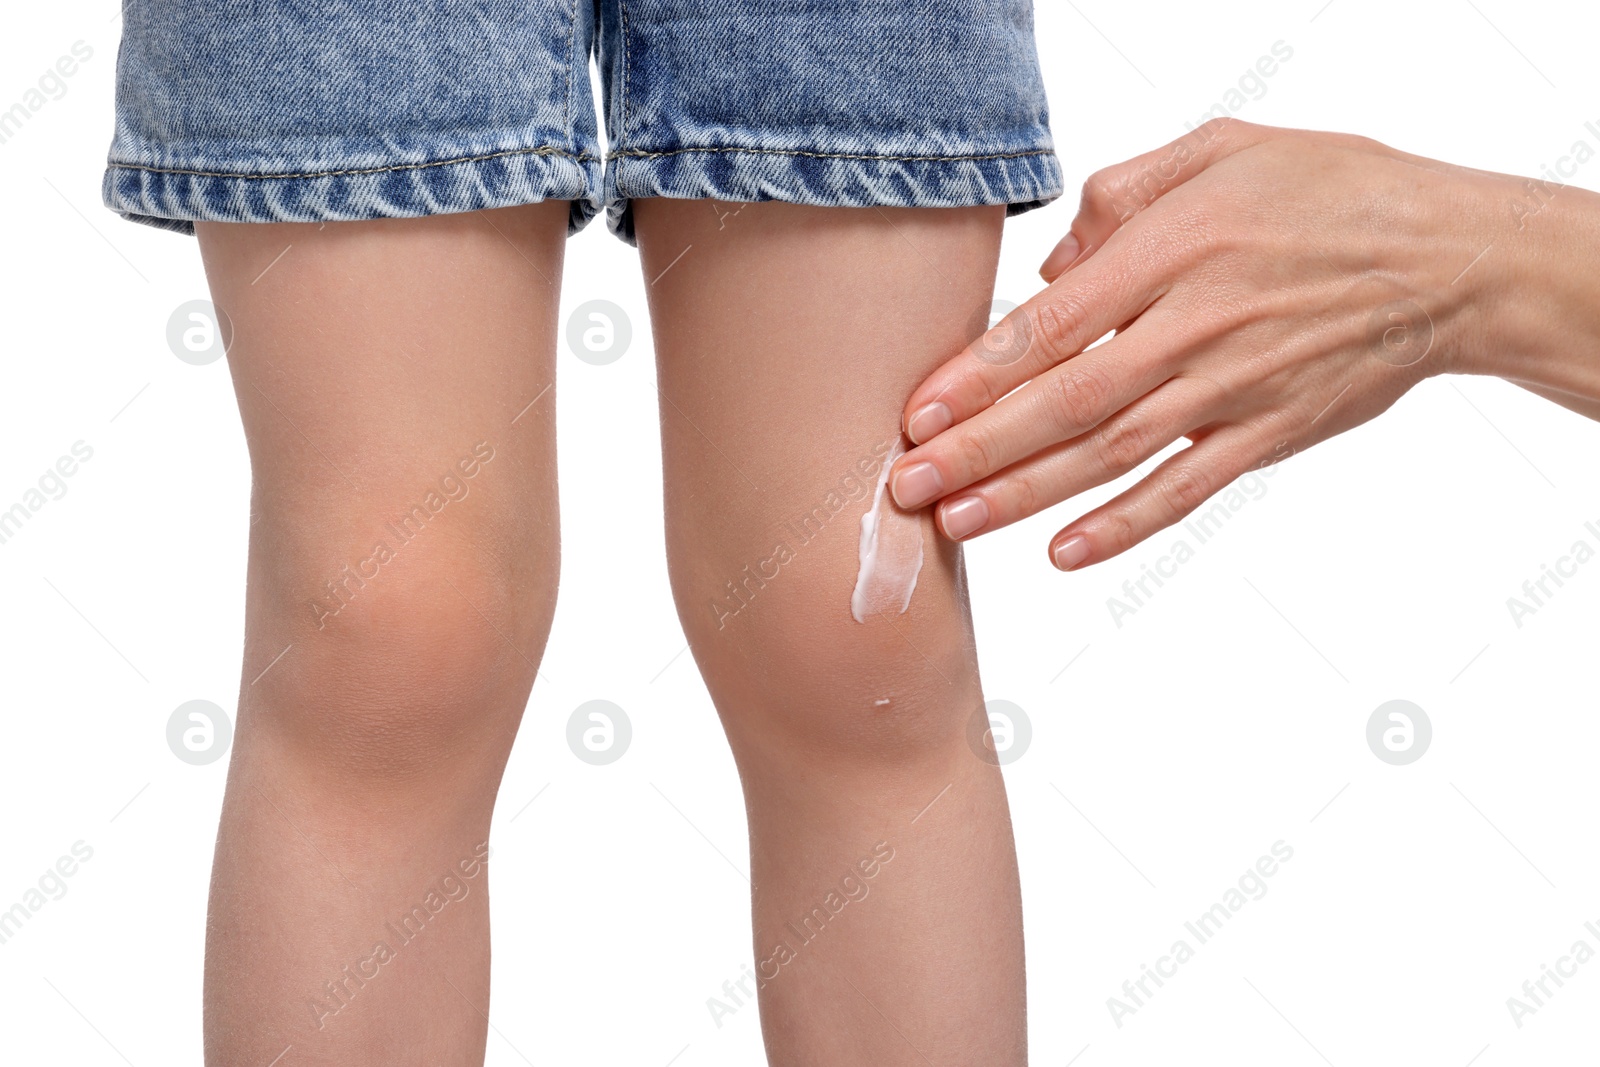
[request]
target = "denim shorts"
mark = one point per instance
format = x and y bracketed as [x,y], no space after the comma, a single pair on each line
[318,110]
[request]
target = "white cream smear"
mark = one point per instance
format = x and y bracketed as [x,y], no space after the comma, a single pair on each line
[891,551]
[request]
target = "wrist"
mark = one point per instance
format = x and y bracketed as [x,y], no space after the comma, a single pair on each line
[1535,312]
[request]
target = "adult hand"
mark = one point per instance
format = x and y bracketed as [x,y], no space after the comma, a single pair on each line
[1268,289]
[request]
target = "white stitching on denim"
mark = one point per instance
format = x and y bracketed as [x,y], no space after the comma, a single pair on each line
[640,153]
[580,158]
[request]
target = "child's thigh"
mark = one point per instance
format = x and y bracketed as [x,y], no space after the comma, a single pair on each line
[361,352]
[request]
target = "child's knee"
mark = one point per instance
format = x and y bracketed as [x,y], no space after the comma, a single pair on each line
[417,663]
[792,670]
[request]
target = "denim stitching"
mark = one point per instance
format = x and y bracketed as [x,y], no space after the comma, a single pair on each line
[580,158]
[640,153]
[572,41]
[622,124]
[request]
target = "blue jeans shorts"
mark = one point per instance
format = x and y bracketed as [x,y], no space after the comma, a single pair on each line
[318,110]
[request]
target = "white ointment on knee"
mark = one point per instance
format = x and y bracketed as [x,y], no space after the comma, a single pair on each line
[891,551]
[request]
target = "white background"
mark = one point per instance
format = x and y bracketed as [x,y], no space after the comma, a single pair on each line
[1226,715]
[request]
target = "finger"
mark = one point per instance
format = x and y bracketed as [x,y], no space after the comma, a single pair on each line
[1169,494]
[1117,446]
[1051,328]
[1114,195]
[1064,402]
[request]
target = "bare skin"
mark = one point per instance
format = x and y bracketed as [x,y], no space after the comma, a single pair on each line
[787,338]
[369,361]
[381,691]
[1270,289]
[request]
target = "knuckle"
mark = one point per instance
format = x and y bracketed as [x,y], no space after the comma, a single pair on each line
[1277,434]
[1118,532]
[1102,192]
[1061,321]
[995,388]
[1027,497]
[1355,142]
[1277,425]
[1184,489]
[1078,399]
[1123,444]
[975,455]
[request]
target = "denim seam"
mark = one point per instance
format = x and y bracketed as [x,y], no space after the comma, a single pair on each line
[622,124]
[577,157]
[641,154]
[572,61]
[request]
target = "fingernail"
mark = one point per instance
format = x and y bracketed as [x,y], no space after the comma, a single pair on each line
[1071,552]
[930,421]
[965,517]
[1059,260]
[916,485]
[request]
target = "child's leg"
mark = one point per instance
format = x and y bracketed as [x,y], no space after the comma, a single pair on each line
[402,576]
[788,338]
